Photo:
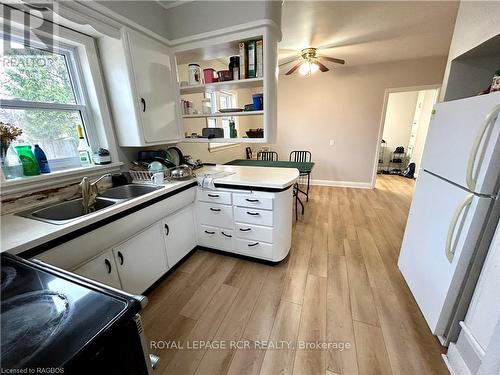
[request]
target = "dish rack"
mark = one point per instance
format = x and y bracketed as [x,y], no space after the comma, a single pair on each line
[145,176]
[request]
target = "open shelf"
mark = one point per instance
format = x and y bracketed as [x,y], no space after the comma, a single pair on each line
[227,85]
[222,140]
[227,114]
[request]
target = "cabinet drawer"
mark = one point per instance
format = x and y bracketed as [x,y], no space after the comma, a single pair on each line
[218,215]
[254,248]
[226,239]
[222,197]
[209,236]
[254,232]
[253,216]
[250,200]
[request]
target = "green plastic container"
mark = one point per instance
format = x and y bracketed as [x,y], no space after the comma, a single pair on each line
[28,160]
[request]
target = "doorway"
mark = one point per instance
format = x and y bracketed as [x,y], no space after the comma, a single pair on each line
[404,129]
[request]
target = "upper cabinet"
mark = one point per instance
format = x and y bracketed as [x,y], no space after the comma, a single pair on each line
[143,90]
[243,106]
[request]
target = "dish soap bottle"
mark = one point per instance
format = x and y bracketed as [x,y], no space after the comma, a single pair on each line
[84,151]
[28,160]
[41,158]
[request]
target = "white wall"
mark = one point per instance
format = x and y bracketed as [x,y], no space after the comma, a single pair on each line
[477,21]
[399,118]
[429,99]
[345,105]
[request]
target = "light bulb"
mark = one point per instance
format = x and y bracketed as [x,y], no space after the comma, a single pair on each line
[308,68]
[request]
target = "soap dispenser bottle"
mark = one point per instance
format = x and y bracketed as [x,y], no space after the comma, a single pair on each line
[41,158]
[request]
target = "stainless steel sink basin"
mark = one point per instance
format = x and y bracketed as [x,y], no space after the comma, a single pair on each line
[128,191]
[64,212]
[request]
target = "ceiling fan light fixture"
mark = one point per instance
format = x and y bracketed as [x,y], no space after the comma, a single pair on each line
[308,68]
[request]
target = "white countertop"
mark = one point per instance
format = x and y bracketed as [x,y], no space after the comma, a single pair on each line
[19,234]
[265,177]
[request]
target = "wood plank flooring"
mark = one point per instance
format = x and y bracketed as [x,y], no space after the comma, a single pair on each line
[340,284]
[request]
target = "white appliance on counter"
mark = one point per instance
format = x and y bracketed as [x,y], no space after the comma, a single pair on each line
[454,211]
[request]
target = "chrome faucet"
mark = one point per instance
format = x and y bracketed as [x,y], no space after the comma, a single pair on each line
[89,191]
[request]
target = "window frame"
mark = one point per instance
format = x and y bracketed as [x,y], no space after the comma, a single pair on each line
[80,93]
[99,124]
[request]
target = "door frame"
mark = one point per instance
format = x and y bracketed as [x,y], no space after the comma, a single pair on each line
[382,118]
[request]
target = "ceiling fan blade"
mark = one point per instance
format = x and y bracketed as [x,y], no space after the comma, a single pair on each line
[297,66]
[322,67]
[332,59]
[289,60]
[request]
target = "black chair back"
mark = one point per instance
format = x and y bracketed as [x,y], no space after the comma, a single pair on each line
[248,152]
[300,156]
[267,155]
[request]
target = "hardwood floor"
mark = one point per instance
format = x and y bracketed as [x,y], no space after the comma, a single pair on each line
[340,284]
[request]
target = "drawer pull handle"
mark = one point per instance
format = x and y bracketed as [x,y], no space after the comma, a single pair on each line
[253,213]
[227,235]
[120,258]
[209,232]
[108,265]
[214,209]
[252,200]
[214,195]
[245,229]
[253,244]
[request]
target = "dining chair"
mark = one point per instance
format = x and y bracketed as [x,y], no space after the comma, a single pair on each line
[267,155]
[302,157]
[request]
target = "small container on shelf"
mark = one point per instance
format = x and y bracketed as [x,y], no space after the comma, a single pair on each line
[210,75]
[206,106]
[225,75]
[194,74]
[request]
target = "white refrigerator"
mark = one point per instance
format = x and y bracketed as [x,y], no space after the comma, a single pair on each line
[453,210]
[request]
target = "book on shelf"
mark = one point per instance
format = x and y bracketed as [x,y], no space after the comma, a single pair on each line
[251,59]
[243,59]
[259,57]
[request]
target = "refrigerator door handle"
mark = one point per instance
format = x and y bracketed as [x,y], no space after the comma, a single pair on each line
[450,251]
[489,120]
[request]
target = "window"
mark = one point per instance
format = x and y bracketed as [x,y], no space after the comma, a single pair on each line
[226,100]
[41,93]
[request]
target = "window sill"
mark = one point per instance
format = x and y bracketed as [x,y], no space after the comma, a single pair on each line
[44,181]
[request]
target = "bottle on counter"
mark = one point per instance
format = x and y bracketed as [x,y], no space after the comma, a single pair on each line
[41,159]
[28,160]
[84,150]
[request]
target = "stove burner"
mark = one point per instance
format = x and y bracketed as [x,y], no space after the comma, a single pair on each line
[29,322]
[8,274]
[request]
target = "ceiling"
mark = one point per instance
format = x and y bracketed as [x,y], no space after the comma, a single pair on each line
[368,32]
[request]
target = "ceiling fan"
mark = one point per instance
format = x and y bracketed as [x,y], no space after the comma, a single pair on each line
[309,62]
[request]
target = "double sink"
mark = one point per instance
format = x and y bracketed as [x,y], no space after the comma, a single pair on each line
[65,212]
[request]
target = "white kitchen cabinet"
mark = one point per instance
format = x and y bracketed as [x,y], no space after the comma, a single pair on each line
[141,260]
[264,232]
[179,233]
[142,81]
[102,269]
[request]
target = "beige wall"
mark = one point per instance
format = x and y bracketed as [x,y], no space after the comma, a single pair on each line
[345,105]
[399,118]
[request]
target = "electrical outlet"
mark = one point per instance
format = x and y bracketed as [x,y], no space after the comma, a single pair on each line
[332,143]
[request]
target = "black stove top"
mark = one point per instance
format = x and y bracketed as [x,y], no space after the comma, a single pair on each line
[48,317]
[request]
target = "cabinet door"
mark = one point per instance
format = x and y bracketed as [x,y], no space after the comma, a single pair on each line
[180,235]
[101,269]
[153,67]
[141,260]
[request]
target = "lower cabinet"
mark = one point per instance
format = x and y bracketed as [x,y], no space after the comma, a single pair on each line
[141,260]
[102,268]
[179,233]
[135,264]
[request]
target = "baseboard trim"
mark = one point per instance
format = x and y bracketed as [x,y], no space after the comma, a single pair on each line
[349,184]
